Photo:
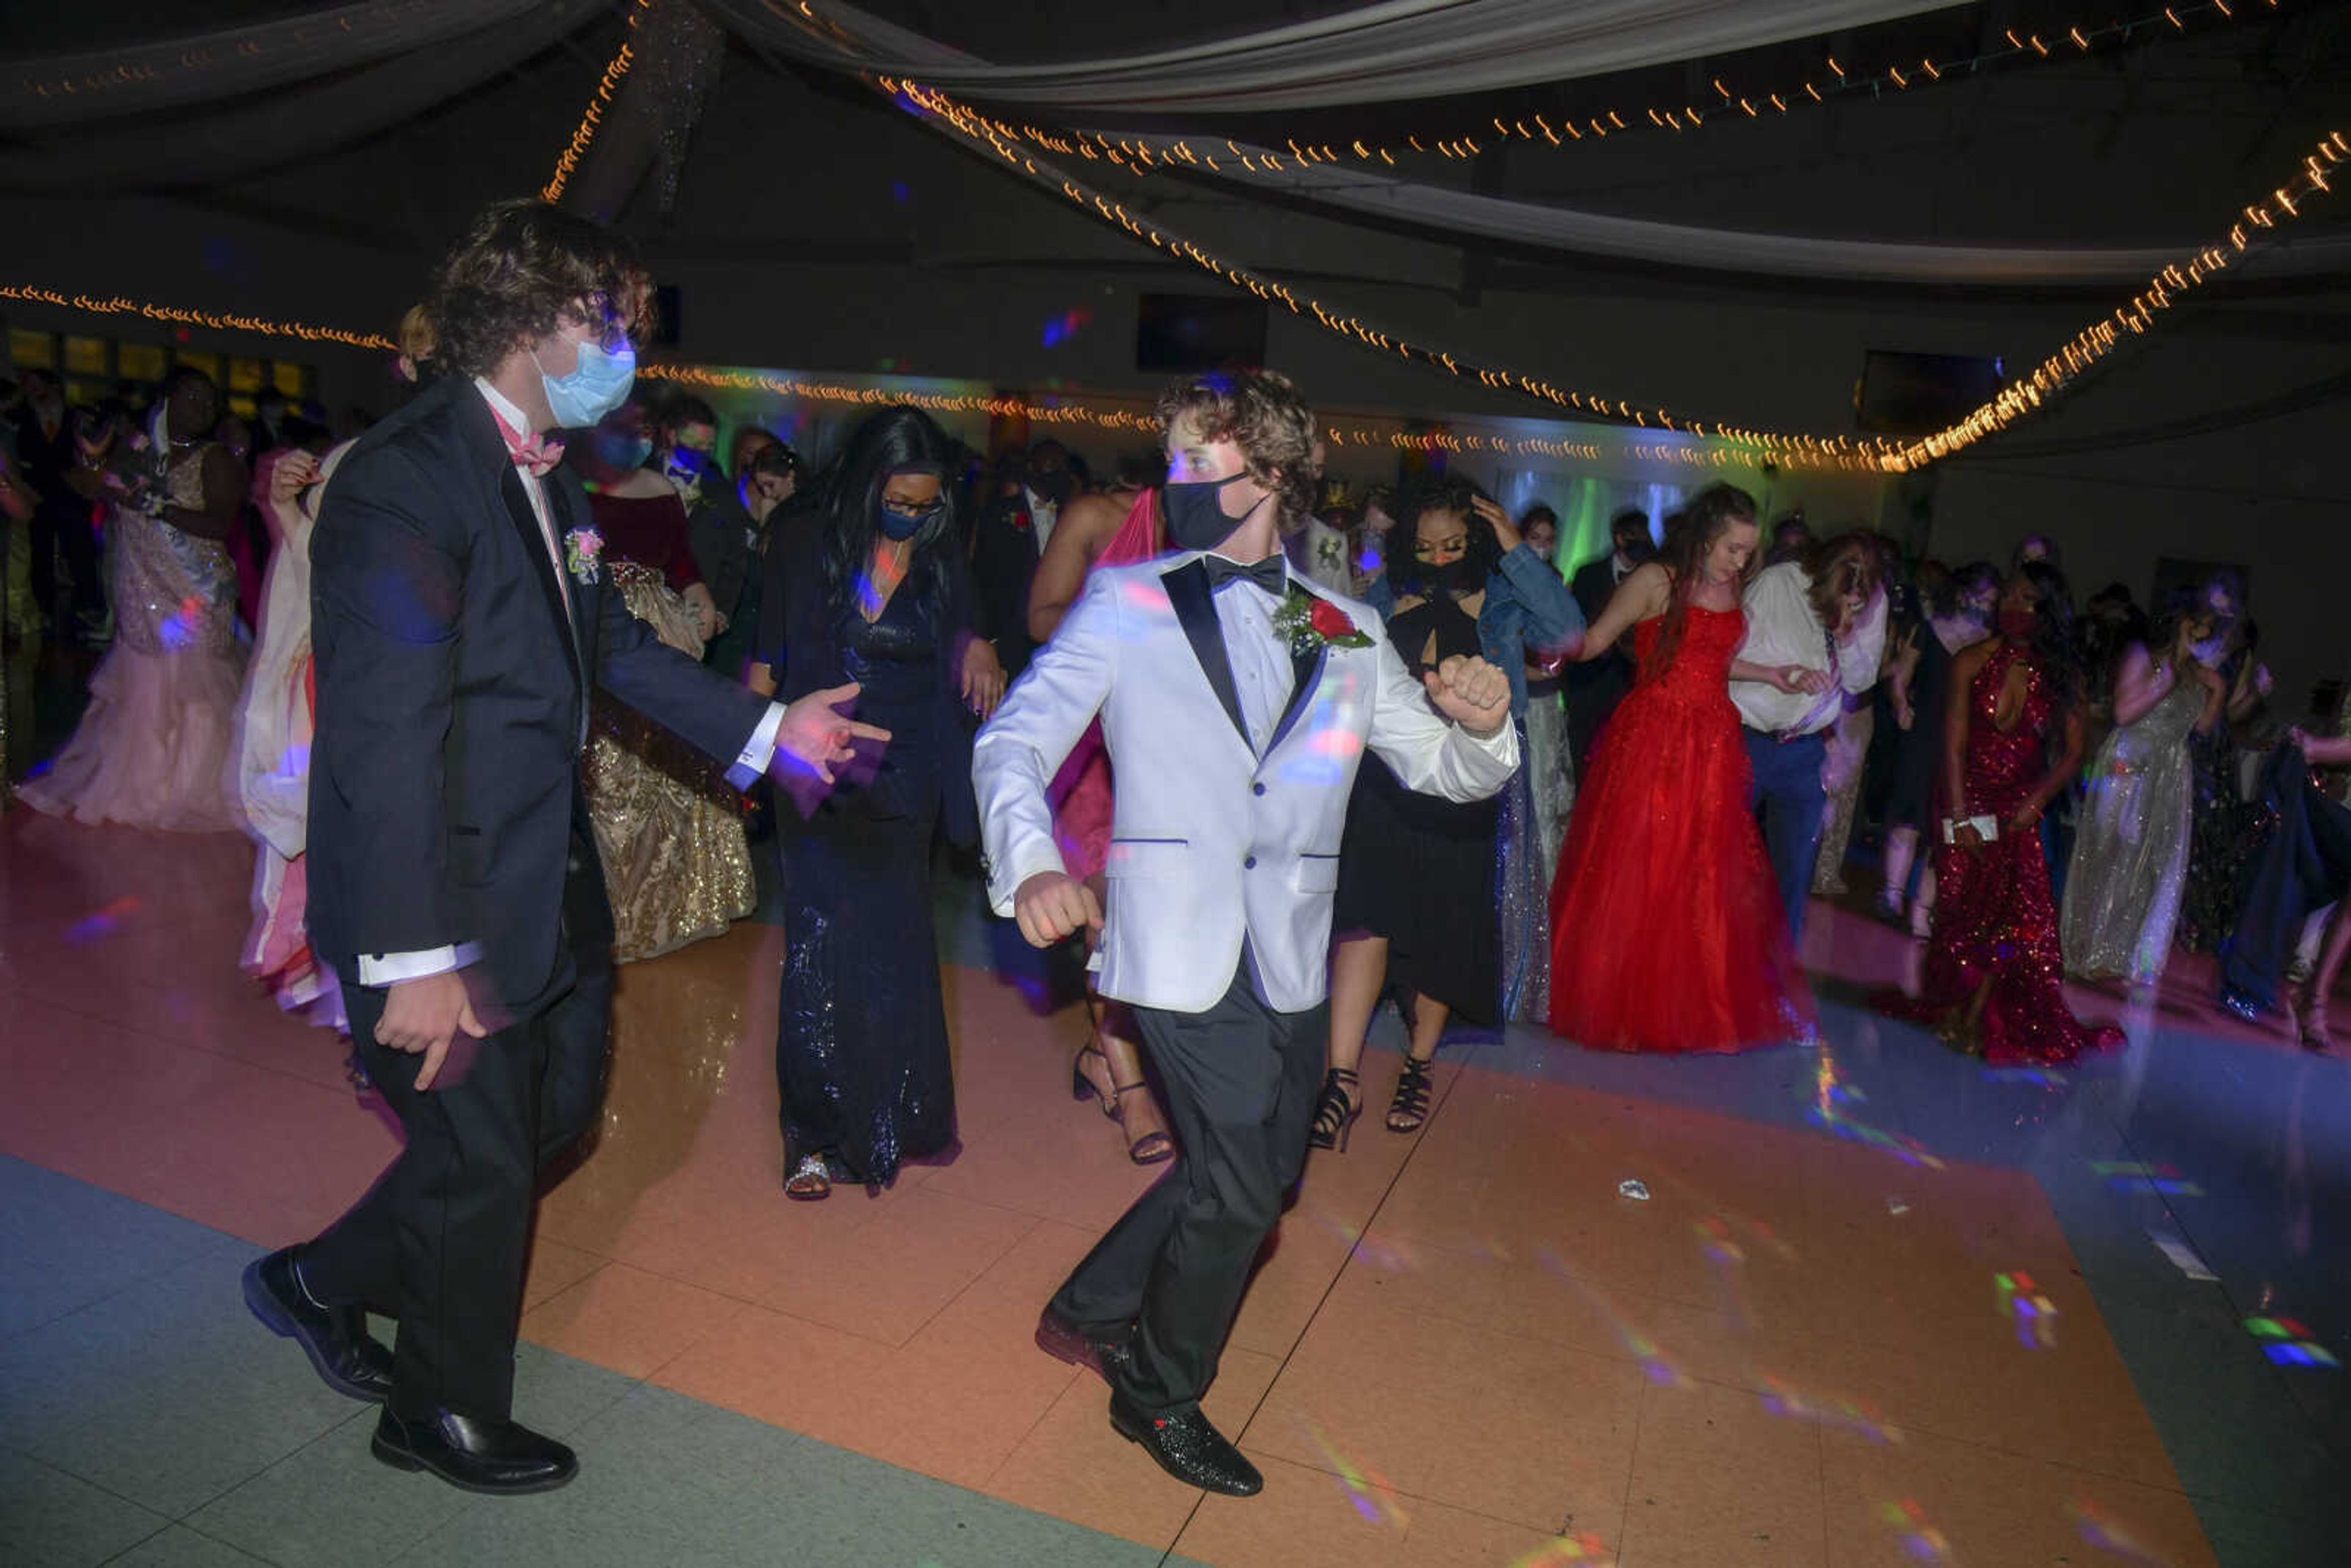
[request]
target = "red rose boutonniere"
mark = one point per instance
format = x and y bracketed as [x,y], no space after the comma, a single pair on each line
[1307,622]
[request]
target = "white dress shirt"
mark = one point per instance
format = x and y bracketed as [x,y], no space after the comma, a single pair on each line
[1042,515]
[1782,629]
[1262,673]
[384,968]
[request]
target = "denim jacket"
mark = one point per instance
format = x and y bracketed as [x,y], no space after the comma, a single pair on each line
[1527,604]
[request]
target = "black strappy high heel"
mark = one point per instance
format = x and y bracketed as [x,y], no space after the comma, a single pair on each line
[1335,1111]
[1408,1111]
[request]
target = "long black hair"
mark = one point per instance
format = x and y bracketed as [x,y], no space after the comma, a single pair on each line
[1408,576]
[895,440]
[2051,642]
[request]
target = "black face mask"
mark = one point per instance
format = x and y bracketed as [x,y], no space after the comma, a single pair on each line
[1453,578]
[1195,516]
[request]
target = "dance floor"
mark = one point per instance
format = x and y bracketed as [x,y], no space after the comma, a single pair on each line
[1868,1302]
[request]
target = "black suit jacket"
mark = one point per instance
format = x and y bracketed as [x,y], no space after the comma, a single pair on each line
[1004,556]
[718,533]
[452,702]
[45,460]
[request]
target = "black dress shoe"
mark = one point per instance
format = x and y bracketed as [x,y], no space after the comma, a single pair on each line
[1188,1448]
[499,1457]
[336,1339]
[1107,1358]
[2240,1005]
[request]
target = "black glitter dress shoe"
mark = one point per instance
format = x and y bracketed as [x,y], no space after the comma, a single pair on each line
[347,1357]
[2240,1005]
[499,1457]
[1107,1358]
[1188,1448]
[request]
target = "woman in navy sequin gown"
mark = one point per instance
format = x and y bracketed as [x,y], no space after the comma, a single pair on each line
[1992,979]
[873,589]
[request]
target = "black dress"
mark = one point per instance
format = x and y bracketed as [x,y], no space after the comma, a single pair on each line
[1918,750]
[861,1056]
[1420,871]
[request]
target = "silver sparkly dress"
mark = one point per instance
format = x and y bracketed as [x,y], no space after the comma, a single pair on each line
[2130,853]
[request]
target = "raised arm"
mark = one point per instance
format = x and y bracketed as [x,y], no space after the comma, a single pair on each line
[1086,525]
[1644,593]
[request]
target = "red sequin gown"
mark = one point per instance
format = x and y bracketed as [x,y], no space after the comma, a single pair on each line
[1667,933]
[1991,983]
[1081,793]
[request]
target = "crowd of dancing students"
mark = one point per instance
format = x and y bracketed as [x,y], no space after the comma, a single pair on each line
[1714,724]
[1390,750]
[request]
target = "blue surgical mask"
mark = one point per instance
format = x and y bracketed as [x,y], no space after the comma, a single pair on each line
[623,452]
[596,385]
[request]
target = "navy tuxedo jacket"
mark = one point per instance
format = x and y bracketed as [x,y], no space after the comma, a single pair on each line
[453,694]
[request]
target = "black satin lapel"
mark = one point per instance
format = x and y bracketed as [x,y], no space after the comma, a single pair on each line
[584,625]
[1305,676]
[534,548]
[1196,610]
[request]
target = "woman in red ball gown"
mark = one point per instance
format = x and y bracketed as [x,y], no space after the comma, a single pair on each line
[1668,932]
[1991,983]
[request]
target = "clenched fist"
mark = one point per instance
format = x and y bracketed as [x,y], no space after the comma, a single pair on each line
[1053,907]
[1472,692]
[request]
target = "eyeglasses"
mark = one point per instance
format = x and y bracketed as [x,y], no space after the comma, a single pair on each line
[925,510]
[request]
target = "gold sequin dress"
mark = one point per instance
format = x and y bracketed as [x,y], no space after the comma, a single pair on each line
[677,866]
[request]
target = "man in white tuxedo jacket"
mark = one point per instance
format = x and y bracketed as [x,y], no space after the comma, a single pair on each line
[1234,728]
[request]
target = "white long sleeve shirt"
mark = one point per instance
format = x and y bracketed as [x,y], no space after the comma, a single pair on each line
[1782,629]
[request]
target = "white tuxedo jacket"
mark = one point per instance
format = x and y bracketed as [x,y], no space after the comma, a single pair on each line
[1210,842]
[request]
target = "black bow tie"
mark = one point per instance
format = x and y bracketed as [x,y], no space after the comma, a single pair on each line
[1273,573]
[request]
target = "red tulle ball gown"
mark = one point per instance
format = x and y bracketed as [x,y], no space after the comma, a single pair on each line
[1990,981]
[1667,933]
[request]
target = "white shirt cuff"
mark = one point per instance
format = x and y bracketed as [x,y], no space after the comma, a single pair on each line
[759,751]
[384,968]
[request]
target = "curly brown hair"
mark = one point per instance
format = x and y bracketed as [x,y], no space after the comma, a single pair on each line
[523,270]
[1264,413]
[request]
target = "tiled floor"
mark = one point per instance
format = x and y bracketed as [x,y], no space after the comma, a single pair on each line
[1879,1305]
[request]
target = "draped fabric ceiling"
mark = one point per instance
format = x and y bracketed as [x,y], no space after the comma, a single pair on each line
[1417,48]
[355,69]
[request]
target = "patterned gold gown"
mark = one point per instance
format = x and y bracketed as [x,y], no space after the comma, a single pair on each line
[677,866]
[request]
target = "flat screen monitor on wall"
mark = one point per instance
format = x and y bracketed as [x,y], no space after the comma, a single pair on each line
[1179,332]
[1918,394]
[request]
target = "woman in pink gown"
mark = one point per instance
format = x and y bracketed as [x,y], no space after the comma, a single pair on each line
[156,747]
[1109,1066]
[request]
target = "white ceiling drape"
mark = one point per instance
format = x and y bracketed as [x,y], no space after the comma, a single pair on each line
[223,62]
[1388,52]
[1451,210]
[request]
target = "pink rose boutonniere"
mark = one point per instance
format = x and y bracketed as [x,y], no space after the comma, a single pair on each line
[1307,622]
[583,554]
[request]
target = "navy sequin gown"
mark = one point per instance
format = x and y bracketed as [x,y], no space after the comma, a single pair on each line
[861,1055]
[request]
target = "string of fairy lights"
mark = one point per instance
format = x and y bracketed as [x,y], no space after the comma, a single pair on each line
[591,119]
[2259,222]
[1143,155]
[181,316]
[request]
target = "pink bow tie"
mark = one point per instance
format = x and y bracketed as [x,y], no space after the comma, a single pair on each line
[533,453]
